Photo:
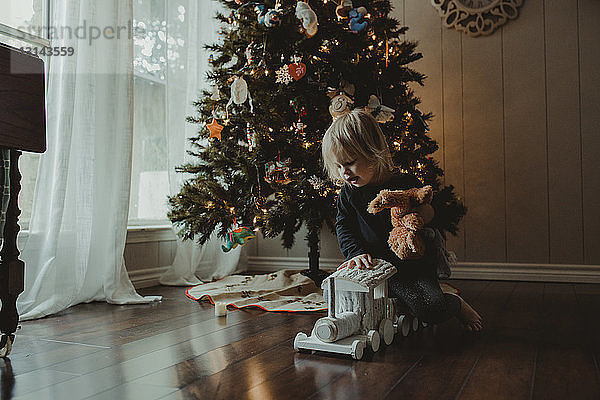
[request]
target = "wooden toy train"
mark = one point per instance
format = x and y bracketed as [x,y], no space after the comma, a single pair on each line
[360,313]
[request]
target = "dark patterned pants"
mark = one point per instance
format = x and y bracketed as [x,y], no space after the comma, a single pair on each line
[417,286]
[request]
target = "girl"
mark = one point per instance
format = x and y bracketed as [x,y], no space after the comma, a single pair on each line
[355,152]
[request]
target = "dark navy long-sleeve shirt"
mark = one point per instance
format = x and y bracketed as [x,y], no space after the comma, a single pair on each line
[360,232]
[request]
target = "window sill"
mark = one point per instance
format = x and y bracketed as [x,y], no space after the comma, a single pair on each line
[136,234]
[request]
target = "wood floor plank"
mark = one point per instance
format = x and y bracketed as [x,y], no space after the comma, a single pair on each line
[565,371]
[99,380]
[502,357]
[449,354]
[72,358]
[565,366]
[198,368]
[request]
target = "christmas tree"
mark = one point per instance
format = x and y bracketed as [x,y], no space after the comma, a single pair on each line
[281,72]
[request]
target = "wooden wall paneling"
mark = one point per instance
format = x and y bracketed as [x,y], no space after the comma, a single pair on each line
[273,248]
[398,11]
[425,28]
[141,255]
[525,136]
[564,133]
[329,245]
[166,253]
[589,32]
[452,124]
[484,224]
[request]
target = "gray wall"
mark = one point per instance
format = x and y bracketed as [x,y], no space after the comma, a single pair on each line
[518,126]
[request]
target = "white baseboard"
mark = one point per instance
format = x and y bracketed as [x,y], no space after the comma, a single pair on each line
[462,270]
[576,273]
[147,277]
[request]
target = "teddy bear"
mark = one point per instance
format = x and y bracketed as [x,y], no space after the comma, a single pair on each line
[410,211]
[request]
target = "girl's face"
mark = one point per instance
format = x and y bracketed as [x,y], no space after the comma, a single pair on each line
[356,171]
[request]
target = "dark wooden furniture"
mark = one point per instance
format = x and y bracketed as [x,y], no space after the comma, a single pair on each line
[22,128]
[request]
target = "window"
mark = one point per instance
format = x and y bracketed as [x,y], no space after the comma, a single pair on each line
[24,16]
[149,179]
[157,38]
[21,24]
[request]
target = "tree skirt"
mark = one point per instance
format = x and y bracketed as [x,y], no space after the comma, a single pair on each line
[282,291]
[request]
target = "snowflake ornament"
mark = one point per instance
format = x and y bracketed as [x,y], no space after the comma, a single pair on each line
[283,75]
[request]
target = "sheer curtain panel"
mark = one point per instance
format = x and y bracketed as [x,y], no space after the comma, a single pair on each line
[186,79]
[74,252]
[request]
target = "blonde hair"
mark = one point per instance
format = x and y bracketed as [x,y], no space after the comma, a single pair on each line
[356,134]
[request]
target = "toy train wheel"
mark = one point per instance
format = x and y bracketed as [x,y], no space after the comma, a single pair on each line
[300,336]
[374,340]
[358,349]
[386,331]
[404,325]
[416,324]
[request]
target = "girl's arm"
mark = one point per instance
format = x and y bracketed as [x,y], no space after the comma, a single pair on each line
[347,229]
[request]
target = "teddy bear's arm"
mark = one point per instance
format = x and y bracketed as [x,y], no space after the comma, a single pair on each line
[380,202]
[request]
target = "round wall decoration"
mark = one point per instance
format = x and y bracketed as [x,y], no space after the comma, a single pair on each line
[477,17]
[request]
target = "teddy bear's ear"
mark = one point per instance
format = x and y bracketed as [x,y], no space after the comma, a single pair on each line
[425,194]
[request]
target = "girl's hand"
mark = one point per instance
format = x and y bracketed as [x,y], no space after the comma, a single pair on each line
[361,261]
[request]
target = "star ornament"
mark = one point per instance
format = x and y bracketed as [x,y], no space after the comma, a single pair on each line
[215,129]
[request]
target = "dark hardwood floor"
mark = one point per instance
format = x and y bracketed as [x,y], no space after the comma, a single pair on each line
[542,341]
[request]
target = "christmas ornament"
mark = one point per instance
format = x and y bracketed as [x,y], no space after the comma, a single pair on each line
[340,105]
[278,171]
[357,19]
[283,75]
[251,136]
[215,94]
[300,128]
[297,69]
[237,237]
[272,18]
[301,111]
[344,8]
[215,129]
[308,18]
[341,102]
[380,112]
[269,18]
[239,94]
[250,52]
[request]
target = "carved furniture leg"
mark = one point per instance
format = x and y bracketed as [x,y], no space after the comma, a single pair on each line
[12,269]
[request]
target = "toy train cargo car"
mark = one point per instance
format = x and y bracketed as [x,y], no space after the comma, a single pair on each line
[360,314]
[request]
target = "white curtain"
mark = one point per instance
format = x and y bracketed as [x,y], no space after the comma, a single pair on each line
[74,252]
[185,82]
